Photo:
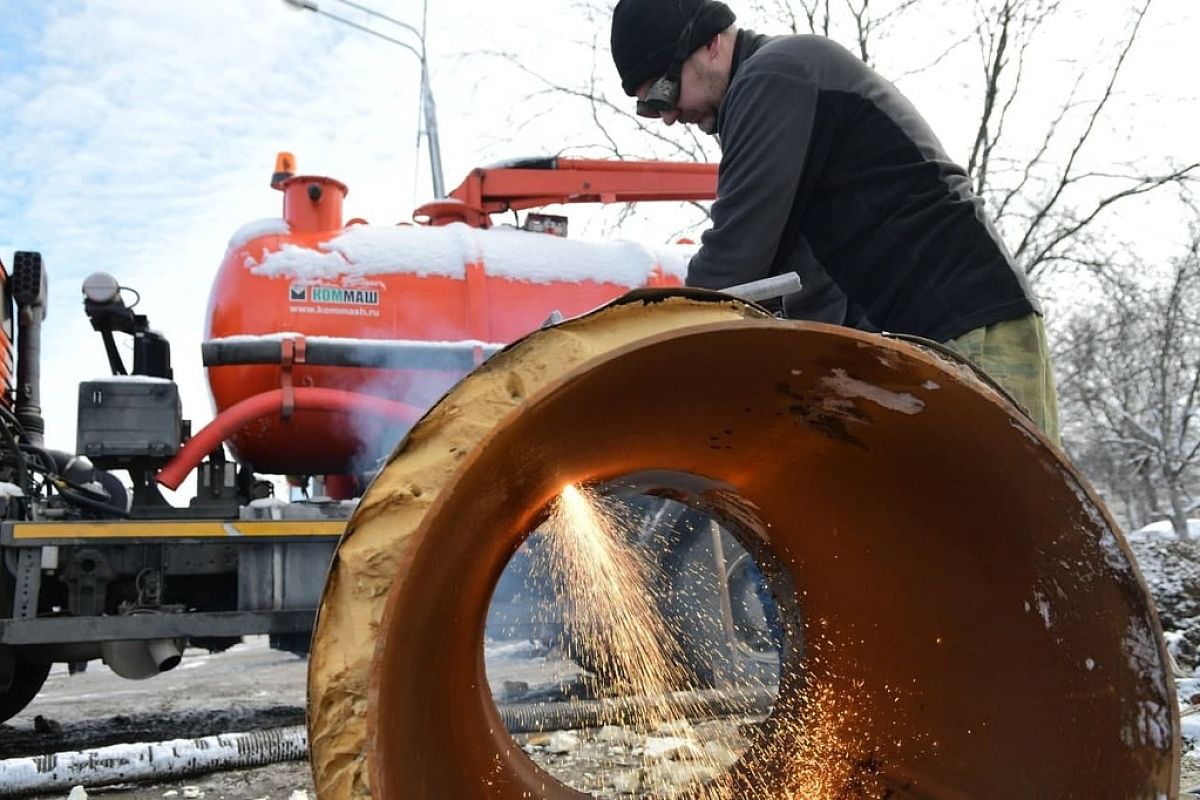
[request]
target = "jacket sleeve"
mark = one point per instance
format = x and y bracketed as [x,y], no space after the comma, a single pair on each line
[766,127]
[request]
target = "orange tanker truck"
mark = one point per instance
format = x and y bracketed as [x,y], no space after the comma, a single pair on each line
[384,319]
[326,339]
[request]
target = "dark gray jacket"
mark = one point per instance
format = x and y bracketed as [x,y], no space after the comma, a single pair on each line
[829,171]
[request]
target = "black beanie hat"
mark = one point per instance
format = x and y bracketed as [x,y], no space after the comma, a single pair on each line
[645,34]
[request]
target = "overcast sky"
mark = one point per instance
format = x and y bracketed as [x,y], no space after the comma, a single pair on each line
[136,136]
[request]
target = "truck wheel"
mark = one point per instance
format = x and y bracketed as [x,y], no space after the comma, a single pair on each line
[25,679]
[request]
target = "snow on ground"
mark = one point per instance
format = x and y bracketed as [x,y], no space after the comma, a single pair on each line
[1171,568]
[1163,529]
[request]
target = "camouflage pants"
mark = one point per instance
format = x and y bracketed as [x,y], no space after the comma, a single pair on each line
[1014,353]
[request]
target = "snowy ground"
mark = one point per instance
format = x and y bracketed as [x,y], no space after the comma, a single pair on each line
[248,687]
[1171,567]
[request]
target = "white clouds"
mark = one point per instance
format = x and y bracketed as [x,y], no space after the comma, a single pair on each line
[138,136]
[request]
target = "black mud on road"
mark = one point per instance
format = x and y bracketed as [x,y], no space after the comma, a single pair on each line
[51,736]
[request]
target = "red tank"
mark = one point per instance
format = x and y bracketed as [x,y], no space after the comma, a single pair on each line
[399,312]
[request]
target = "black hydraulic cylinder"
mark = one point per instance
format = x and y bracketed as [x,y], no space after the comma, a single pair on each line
[28,284]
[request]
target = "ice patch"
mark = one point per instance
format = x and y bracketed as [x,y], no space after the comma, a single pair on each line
[1114,557]
[1189,729]
[1043,609]
[1141,648]
[902,402]
[1153,724]
[1164,529]
[931,385]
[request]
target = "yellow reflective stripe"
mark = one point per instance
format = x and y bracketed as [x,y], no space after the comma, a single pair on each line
[200,529]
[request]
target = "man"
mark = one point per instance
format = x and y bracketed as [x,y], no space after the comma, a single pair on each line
[828,171]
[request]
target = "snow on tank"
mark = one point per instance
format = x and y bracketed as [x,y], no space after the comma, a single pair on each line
[458,284]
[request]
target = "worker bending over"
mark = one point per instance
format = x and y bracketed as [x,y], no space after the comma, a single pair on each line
[828,171]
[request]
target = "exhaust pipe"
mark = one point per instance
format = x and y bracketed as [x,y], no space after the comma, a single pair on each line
[138,660]
[165,654]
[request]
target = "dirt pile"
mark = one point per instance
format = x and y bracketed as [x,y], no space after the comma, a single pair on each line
[1171,567]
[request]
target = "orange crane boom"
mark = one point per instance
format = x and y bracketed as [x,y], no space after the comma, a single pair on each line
[538,182]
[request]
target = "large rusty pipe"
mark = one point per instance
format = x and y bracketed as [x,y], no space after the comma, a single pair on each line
[976,602]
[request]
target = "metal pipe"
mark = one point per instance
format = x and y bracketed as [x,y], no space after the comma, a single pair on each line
[137,660]
[177,758]
[146,761]
[708,704]
[431,129]
[722,666]
[428,107]
[766,288]
[319,352]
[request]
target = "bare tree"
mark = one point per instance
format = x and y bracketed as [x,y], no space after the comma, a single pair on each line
[856,22]
[1045,200]
[1005,32]
[1044,186]
[1130,383]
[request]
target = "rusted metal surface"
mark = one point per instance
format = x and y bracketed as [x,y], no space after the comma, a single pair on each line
[379,539]
[972,597]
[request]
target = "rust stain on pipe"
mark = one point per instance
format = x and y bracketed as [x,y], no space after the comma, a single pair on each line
[946,550]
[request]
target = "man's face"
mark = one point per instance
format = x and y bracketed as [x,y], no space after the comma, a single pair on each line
[700,94]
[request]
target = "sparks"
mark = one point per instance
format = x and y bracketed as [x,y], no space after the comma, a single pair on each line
[606,584]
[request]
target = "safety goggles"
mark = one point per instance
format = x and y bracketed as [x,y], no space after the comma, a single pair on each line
[663,94]
[661,98]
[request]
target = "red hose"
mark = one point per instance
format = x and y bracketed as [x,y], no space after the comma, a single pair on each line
[236,416]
